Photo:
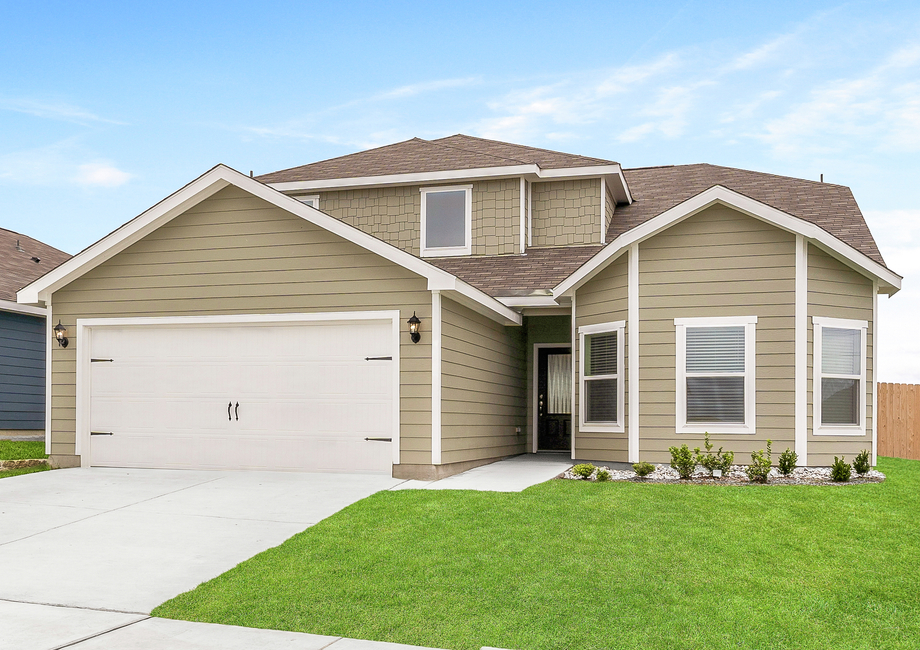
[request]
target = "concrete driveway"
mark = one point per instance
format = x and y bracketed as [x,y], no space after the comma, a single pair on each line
[127,540]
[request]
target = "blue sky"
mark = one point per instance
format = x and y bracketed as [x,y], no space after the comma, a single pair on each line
[106,108]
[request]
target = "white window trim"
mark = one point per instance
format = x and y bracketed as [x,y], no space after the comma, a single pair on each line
[309,199]
[447,251]
[594,427]
[819,429]
[750,395]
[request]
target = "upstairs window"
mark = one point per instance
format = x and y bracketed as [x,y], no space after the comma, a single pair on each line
[312,200]
[602,385]
[840,376]
[715,374]
[446,220]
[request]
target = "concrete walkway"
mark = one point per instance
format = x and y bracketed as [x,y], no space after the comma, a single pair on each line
[28,626]
[510,475]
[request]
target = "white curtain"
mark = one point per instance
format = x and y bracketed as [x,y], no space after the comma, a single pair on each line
[559,378]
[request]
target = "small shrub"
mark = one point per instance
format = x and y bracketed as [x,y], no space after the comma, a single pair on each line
[585,470]
[602,475]
[643,469]
[862,463]
[712,461]
[787,461]
[684,460]
[759,469]
[840,470]
[726,460]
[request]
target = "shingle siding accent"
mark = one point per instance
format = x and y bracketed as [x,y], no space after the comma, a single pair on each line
[566,212]
[22,371]
[393,214]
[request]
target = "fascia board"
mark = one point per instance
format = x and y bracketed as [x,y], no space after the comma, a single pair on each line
[198,190]
[16,308]
[207,185]
[753,208]
[528,301]
[530,171]
[417,178]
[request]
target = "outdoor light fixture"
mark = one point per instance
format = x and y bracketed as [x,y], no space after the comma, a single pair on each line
[414,322]
[60,333]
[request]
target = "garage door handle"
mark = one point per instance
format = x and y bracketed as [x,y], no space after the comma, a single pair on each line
[229,406]
[100,433]
[379,439]
[237,410]
[101,360]
[378,358]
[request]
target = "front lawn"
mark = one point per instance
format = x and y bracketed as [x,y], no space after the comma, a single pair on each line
[21,449]
[569,564]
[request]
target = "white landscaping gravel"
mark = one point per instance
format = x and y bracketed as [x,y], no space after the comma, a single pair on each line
[734,476]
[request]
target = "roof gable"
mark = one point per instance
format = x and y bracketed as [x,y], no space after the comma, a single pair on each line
[830,207]
[217,179]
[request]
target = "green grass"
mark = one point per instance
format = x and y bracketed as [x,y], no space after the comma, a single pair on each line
[19,449]
[6,473]
[570,564]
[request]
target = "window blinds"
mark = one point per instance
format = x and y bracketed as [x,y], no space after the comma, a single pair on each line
[715,351]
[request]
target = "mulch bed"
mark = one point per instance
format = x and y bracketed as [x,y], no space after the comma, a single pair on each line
[735,476]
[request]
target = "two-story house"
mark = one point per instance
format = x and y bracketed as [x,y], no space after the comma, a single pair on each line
[434,305]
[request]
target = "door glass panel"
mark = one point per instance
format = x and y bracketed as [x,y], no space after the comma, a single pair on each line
[559,379]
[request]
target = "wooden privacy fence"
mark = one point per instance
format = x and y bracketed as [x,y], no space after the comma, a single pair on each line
[899,420]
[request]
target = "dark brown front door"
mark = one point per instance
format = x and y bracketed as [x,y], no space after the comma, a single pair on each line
[554,398]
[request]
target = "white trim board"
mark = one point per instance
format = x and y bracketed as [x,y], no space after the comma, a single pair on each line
[16,308]
[209,184]
[719,195]
[85,327]
[436,377]
[632,350]
[531,172]
[801,349]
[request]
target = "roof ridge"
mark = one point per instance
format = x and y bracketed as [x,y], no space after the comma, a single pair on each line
[479,153]
[524,146]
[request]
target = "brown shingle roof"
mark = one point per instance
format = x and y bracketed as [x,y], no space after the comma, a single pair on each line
[456,152]
[17,268]
[518,275]
[831,207]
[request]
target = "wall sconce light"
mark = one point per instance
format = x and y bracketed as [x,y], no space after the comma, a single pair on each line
[60,333]
[414,323]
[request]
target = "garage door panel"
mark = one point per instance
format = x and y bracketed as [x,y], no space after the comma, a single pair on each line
[302,396]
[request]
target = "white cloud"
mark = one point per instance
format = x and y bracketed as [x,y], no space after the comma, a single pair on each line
[59,163]
[101,175]
[411,90]
[61,111]
[766,53]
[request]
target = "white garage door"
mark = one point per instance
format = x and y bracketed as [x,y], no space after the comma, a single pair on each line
[317,396]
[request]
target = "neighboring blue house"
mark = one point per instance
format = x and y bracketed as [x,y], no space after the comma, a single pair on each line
[23,336]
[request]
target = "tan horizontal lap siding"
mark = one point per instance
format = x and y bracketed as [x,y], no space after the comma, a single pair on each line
[717,263]
[483,396]
[602,300]
[393,214]
[837,291]
[566,212]
[236,254]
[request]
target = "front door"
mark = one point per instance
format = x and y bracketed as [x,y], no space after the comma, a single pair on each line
[554,399]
